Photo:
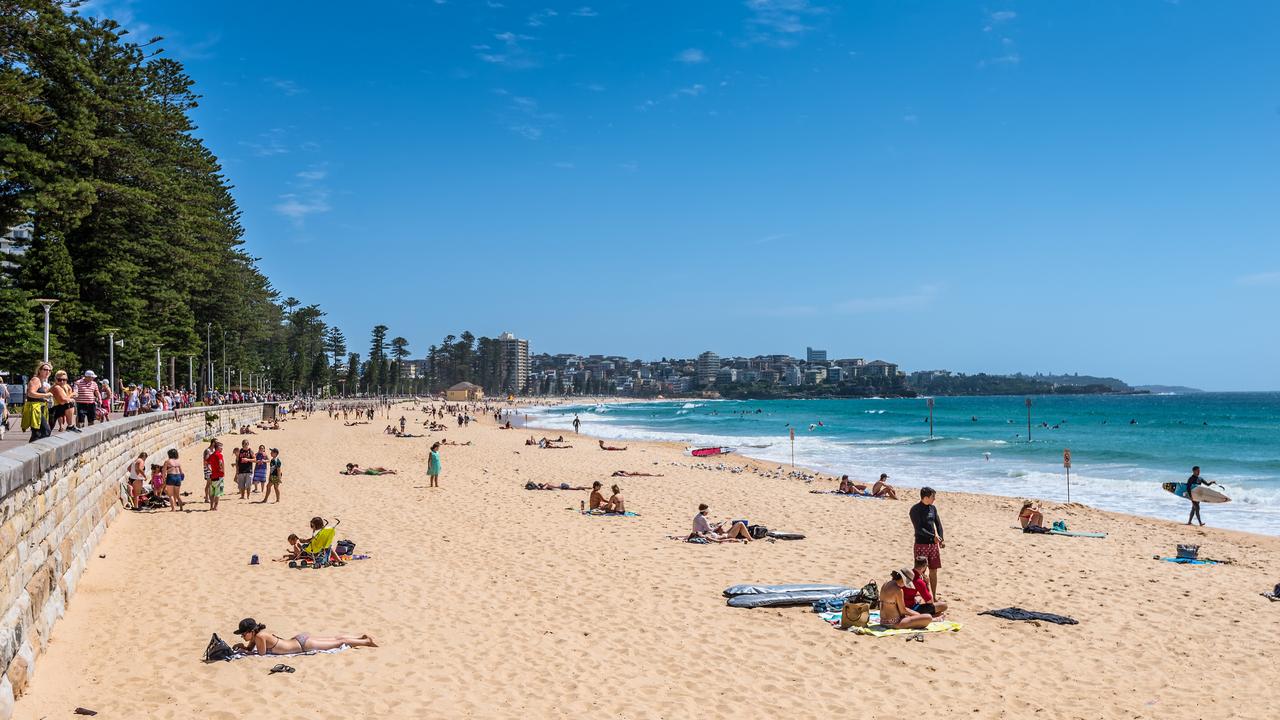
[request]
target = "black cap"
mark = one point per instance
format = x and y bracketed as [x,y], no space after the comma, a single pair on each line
[247,625]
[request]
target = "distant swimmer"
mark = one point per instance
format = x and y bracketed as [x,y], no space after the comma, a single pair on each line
[1133,422]
[811,427]
[987,455]
[973,418]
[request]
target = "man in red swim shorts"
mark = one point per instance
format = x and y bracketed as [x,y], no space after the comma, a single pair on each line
[928,527]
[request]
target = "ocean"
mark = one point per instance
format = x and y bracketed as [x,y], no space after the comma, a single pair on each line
[1122,446]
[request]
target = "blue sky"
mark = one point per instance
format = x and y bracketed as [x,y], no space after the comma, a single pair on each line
[1000,186]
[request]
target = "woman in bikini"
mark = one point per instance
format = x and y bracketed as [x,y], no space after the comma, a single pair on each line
[172,472]
[257,641]
[137,475]
[354,469]
[1030,515]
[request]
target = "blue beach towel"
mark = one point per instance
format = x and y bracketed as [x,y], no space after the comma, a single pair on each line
[1189,561]
[597,513]
[867,496]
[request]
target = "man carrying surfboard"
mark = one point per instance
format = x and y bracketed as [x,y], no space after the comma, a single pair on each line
[1192,482]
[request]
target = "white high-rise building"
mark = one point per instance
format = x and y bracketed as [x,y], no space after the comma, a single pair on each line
[515,363]
[9,244]
[708,368]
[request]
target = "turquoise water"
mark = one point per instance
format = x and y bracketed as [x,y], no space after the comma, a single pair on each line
[979,444]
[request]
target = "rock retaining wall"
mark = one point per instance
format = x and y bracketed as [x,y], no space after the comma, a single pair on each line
[57,497]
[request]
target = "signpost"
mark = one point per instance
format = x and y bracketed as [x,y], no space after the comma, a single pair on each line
[793,447]
[1028,419]
[1066,463]
[930,418]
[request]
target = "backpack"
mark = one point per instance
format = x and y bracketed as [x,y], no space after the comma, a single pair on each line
[758,532]
[217,650]
[345,547]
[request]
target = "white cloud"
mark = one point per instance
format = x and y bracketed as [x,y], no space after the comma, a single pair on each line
[300,205]
[595,87]
[1261,279]
[1003,15]
[288,87]
[584,11]
[693,90]
[780,22]
[271,142]
[691,56]
[512,54]
[313,175]
[525,118]
[910,119]
[539,18]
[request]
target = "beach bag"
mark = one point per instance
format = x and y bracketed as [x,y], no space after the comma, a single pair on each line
[855,614]
[1035,529]
[758,532]
[870,594]
[1188,552]
[346,547]
[218,649]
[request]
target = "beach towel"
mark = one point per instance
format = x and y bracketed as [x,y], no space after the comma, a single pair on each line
[241,656]
[1073,533]
[1189,561]
[1017,613]
[601,513]
[875,629]
[868,495]
[1273,597]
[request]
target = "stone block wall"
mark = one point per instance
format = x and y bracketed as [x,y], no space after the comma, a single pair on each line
[57,497]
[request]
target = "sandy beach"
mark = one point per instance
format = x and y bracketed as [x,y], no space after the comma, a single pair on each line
[491,601]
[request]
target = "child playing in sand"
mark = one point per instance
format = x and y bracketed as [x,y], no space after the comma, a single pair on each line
[295,549]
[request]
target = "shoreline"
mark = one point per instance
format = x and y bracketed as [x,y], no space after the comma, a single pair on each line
[767,467]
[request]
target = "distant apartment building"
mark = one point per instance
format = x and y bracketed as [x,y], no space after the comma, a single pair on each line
[835,374]
[413,369]
[812,356]
[727,376]
[880,368]
[792,375]
[708,368]
[12,243]
[515,363]
[815,376]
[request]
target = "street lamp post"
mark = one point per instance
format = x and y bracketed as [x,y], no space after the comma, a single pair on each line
[226,371]
[208,353]
[191,373]
[46,303]
[158,367]
[111,355]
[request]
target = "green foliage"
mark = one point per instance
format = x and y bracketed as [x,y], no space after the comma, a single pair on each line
[134,224]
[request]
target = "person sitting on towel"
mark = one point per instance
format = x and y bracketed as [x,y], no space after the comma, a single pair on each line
[916,593]
[615,503]
[849,487]
[702,528]
[1030,515]
[596,501]
[894,612]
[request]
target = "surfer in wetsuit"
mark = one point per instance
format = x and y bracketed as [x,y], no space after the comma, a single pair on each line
[1192,482]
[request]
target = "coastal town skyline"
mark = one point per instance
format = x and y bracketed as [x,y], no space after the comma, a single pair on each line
[964,185]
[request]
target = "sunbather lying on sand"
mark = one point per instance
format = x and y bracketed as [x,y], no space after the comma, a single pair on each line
[610,447]
[546,444]
[257,641]
[894,612]
[702,528]
[551,486]
[450,442]
[354,469]
[624,473]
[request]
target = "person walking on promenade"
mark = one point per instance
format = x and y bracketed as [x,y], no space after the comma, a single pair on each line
[35,411]
[87,397]
[433,465]
[928,534]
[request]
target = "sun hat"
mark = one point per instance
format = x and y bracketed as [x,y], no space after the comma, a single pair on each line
[90,374]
